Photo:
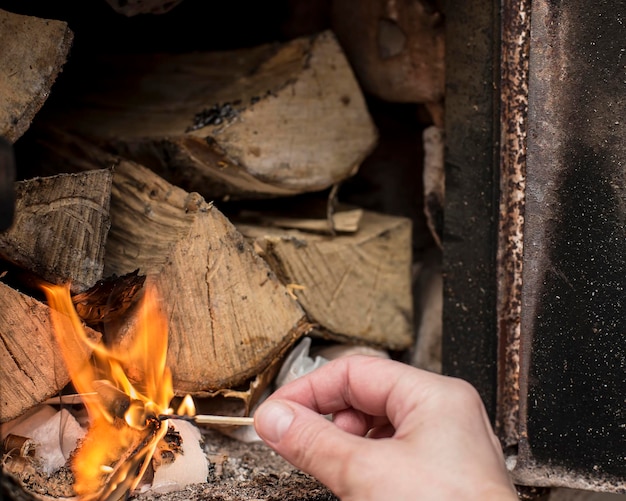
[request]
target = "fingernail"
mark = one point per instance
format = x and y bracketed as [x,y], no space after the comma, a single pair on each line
[272,420]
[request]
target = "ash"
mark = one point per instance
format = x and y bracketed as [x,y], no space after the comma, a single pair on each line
[240,471]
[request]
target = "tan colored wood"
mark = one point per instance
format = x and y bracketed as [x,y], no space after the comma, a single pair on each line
[154,222]
[60,226]
[229,316]
[341,221]
[395,46]
[33,52]
[31,365]
[273,120]
[223,420]
[356,287]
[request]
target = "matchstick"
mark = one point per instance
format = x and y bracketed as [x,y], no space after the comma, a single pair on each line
[78,398]
[227,420]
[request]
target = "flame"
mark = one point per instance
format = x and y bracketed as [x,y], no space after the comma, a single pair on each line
[187,407]
[125,427]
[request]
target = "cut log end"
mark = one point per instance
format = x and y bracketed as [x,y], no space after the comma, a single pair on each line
[33,52]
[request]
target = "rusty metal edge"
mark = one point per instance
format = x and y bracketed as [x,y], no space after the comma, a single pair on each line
[524,468]
[515,45]
[526,471]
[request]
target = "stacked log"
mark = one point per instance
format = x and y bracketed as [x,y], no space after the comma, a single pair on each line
[396,47]
[355,286]
[139,156]
[60,228]
[31,364]
[229,317]
[273,120]
[33,53]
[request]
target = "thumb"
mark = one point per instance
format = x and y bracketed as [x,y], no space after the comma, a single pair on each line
[307,440]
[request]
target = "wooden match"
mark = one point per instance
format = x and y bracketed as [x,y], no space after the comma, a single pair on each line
[212,419]
[226,420]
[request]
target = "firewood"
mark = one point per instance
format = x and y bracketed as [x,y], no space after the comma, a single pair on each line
[229,316]
[395,47]
[31,365]
[273,120]
[308,213]
[154,222]
[60,226]
[33,52]
[109,299]
[355,287]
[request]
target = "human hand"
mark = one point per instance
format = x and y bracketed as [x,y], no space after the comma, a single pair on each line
[398,433]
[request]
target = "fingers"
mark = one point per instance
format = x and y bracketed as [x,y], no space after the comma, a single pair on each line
[429,424]
[374,386]
[307,440]
[357,422]
[384,431]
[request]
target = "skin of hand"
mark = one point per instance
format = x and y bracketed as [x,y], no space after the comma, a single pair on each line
[397,433]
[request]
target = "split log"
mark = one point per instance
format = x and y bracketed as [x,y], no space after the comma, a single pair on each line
[60,227]
[31,364]
[33,53]
[355,287]
[229,316]
[267,121]
[395,47]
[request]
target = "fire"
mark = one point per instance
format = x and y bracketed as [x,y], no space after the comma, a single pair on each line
[126,420]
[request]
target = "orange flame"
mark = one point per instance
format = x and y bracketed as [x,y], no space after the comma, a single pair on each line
[124,420]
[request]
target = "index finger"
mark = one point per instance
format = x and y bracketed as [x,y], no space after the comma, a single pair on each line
[372,385]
